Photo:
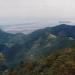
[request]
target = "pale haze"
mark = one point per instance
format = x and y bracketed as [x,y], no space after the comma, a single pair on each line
[29,15]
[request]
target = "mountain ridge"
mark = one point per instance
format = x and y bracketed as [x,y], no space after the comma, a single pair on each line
[37,44]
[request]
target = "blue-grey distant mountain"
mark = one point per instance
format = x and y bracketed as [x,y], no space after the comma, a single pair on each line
[9,39]
[62,30]
[59,30]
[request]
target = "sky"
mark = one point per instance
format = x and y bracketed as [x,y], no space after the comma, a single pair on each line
[29,15]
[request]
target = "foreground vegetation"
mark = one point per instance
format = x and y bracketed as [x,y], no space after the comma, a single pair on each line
[60,63]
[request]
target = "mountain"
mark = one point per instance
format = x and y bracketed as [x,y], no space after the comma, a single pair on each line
[7,43]
[62,30]
[39,44]
[9,39]
[36,45]
[50,39]
[59,30]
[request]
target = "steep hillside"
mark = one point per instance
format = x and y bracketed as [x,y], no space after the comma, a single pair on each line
[59,63]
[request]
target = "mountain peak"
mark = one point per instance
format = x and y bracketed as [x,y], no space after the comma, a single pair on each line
[63,25]
[1,31]
[68,25]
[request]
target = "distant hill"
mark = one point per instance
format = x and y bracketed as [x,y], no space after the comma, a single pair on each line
[8,38]
[60,30]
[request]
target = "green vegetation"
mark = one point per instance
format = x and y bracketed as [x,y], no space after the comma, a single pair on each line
[2,57]
[60,63]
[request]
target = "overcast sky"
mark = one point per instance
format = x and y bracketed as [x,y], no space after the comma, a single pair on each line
[35,11]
